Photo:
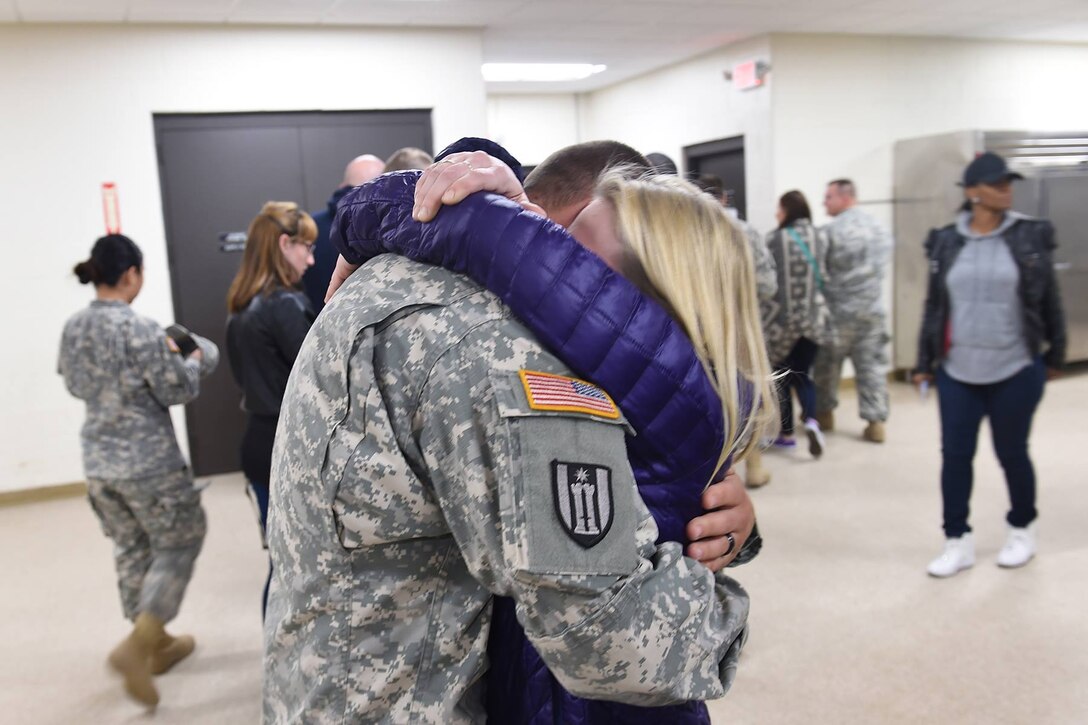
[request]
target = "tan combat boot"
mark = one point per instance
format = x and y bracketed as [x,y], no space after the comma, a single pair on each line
[826,419]
[756,474]
[131,658]
[874,432]
[171,651]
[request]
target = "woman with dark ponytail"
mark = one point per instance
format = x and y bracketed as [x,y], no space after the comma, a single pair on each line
[129,372]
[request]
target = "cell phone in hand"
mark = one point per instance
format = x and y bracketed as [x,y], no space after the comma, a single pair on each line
[183,339]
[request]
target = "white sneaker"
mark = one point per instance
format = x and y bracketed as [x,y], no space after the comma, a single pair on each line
[815,438]
[958,554]
[1019,547]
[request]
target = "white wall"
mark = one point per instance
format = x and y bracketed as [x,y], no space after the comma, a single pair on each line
[78,104]
[531,126]
[835,105]
[689,103]
[841,102]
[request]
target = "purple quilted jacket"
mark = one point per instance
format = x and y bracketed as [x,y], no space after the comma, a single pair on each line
[601,326]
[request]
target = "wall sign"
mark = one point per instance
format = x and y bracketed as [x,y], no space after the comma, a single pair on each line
[748,75]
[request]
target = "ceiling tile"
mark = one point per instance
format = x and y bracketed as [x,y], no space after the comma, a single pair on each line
[306,12]
[368,13]
[528,14]
[647,13]
[1040,30]
[95,11]
[465,13]
[517,51]
[179,11]
[630,36]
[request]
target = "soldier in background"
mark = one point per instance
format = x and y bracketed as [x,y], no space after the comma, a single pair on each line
[857,260]
[408,157]
[129,372]
[359,170]
[766,287]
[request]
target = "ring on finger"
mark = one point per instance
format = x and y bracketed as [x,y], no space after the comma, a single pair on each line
[732,545]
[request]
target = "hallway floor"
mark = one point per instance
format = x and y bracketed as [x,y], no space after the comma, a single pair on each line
[845,627]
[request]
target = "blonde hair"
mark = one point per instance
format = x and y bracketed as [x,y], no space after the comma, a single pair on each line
[264,267]
[699,263]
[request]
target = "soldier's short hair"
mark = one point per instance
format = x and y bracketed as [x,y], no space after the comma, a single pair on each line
[570,174]
[845,186]
[711,184]
[408,157]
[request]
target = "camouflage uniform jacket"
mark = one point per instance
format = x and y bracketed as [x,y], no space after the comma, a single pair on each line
[762,262]
[415,477]
[121,365]
[858,252]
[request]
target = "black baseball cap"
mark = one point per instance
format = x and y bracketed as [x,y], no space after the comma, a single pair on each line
[987,168]
[489,147]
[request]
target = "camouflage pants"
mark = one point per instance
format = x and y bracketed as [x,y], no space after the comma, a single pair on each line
[157,526]
[865,342]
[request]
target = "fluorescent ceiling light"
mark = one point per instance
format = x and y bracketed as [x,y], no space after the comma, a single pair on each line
[539,72]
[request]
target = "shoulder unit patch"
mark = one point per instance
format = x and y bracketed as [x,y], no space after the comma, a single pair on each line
[583,500]
[547,391]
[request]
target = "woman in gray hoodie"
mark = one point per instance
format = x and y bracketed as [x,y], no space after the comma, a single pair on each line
[993,333]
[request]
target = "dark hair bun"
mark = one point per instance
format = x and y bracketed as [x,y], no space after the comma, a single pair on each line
[86,272]
[111,256]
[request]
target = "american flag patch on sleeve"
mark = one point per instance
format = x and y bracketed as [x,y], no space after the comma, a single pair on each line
[546,391]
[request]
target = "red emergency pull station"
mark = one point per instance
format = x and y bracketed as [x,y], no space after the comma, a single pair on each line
[111,208]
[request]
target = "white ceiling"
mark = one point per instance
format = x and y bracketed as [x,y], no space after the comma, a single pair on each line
[629,36]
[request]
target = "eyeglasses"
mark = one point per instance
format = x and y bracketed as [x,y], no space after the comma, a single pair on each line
[309,246]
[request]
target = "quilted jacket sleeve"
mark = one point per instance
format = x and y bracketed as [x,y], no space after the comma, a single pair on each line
[1054,329]
[593,319]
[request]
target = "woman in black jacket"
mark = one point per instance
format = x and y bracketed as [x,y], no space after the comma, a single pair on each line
[269,318]
[992,334]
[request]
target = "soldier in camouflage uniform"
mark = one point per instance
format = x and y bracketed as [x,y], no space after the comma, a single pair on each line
[857,260]
[414,478]
[766,277]
[128,373]
[762,260]
[755,475]
[766,287]
[419,472]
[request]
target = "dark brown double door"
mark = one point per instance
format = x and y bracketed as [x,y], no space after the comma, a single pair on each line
[216,170]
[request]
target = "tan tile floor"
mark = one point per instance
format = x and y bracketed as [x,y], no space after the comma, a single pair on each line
[846,627]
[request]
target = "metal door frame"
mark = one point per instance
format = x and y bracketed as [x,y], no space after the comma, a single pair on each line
[732,144]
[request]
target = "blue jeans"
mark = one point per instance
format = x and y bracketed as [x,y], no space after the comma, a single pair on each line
[1010,405]
[797,366]
[256,452]
[260,497]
